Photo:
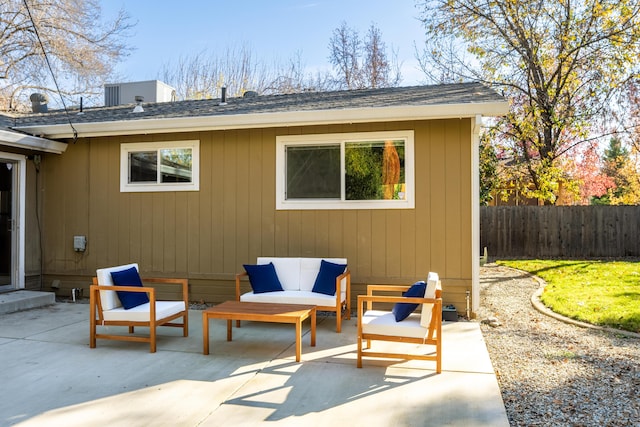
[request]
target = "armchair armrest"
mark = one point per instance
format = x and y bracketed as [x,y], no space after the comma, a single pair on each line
[393,288]
[95,289]
[184,283]
[370,299]
[347,290]
[238,277]
[149,290]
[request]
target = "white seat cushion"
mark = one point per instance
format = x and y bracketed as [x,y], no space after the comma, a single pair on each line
[291,297]
[299,274]
[109,299]
[287,269]
[309,269]
[141,312]
[433,281]
[384,323]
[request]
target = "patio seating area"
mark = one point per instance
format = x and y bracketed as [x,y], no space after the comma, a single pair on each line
[50,376]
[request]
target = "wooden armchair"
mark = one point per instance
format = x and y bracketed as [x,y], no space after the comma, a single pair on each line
[106,308]
[419,328]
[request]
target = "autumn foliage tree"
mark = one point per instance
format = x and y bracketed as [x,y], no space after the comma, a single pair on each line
[81,46]
[559,62]
[622,157]
[587,173]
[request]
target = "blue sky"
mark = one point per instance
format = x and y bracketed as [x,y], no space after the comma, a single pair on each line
[274,30]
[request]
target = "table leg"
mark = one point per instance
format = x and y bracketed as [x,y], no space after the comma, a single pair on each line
[298,339]
[205,334]
[313,327]
[229,323]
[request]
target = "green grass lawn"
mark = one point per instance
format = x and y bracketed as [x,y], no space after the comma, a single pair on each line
[605,293]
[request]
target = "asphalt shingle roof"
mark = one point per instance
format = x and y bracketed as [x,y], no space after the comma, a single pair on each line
[461,93]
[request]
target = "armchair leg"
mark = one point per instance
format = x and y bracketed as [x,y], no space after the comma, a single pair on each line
[359,362]
[92,333]
[185,327]
[92,319]
[152,338]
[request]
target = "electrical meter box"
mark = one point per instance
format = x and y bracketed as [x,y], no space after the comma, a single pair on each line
[79,243]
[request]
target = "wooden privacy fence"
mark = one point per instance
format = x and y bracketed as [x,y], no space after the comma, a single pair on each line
[560,231]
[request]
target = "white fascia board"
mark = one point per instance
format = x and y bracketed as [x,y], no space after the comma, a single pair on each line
[28,142]
[277,119]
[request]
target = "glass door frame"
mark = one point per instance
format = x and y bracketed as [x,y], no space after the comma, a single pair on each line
[18,198]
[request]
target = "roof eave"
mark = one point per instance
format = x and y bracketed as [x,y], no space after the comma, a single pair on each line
[275,119]
[28,142]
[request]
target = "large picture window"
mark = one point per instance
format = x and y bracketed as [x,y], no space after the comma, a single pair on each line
[160,166]
[345,171]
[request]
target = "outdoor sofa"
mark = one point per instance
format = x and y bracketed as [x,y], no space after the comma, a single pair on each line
[323,282]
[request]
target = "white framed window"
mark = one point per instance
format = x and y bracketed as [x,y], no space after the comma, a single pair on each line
[160,166]
[368,170]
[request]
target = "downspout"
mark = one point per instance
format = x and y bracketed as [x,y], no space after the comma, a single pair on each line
[475,214]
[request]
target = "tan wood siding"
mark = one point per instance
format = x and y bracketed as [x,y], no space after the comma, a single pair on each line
[207,235]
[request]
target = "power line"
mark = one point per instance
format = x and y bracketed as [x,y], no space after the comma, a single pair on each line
[53,76]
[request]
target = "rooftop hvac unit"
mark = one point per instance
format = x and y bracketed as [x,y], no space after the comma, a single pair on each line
[126,93]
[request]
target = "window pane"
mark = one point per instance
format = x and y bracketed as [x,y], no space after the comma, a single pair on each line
[143,166]
[313,172]
[175,165]
[374,170]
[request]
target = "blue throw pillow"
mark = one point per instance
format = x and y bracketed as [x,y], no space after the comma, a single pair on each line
[129,277]
[326,280]
[402,310]
[263,278]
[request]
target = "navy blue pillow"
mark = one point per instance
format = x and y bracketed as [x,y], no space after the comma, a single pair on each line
[129,277]
[402,310]
[263,278]
[326,279]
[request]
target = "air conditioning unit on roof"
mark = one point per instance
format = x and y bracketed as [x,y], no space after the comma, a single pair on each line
[125,93]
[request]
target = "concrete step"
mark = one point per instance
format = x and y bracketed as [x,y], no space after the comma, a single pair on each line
[11,302]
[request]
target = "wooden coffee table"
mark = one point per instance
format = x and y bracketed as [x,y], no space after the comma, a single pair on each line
[260,312]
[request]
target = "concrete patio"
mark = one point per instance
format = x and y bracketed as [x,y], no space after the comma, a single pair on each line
[50,377]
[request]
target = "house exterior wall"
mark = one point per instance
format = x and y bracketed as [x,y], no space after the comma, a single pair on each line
[207,235]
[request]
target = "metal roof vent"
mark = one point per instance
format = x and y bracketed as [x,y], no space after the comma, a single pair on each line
[223,96]
[138,108]
[39,103]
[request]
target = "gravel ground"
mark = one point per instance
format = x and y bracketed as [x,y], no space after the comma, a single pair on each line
[552,373]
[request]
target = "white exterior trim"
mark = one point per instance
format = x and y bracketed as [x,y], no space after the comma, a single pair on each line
[282,141]
[277,119]
[125,149]
[476,124]
[18,240]
[28,142]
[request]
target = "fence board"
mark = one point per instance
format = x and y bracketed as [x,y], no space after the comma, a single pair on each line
[560,231]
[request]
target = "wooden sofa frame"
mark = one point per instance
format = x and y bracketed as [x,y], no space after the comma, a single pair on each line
[433,336]
[97,319]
